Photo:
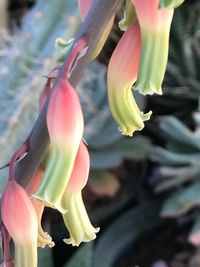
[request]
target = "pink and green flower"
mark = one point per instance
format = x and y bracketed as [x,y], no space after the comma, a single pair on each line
[122,73]
[155,27]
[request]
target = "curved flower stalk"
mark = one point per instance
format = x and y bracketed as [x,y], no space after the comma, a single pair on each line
[47,87]
[43,237]
[76,218]
[84,7]
[65,126]
[19,218]
[155,27]
[122,73]
[44,93]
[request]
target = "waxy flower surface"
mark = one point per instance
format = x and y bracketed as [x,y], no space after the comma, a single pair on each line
[155,27]
[122,73]
[19,218]
[65,126]
[43,237]
[76,218]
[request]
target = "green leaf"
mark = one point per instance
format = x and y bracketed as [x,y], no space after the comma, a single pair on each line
[112,155]
[178,132]
[182,201]
[83,257]
[182,77]
[45,257]
[101,130]
[177,176]
[103,183]
[167,157]
[124,231]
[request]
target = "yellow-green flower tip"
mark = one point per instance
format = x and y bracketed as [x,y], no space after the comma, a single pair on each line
[77,221]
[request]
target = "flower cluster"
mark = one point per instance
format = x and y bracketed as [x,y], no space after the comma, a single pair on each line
[59,180]
[139,60]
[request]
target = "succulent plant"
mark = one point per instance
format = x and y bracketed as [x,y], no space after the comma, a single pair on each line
[177,170]
[182,77]
[29,56]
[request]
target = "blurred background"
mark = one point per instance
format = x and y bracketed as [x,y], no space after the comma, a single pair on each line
[143,192]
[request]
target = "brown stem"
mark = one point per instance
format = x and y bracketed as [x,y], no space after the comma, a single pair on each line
[73,57]
[18,153]
[93,27]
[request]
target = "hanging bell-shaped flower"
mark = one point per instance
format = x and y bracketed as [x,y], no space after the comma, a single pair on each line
[122,73]
[76,219]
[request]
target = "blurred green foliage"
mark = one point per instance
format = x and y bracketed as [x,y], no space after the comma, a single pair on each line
[178,170]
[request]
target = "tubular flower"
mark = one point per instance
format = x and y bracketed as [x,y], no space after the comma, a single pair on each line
[20,220]
[76,218]
[65,126]
[84,7]
[122,73]
[43,237]
[155,27]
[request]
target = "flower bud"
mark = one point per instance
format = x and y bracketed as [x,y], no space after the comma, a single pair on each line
[122,73]
[76,218]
